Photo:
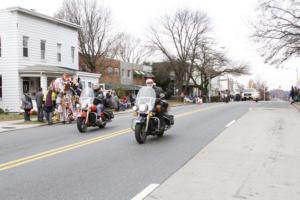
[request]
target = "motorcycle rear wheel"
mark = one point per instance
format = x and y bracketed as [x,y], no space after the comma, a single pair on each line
[81,125]
[140,134]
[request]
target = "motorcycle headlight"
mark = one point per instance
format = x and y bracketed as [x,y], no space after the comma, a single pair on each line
[135,108]
[143,108]
[84,106]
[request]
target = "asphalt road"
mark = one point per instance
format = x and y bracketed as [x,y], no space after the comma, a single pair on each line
[57,162]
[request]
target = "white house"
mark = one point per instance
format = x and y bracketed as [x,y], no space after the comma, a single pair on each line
[87,78]
[34,50]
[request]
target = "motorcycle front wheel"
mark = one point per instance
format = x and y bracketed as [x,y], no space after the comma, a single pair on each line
[140,134]
[81,125]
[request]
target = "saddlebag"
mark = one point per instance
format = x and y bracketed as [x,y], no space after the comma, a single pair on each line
[170,119]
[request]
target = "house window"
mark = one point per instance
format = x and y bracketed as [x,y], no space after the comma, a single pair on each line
[109,70]
[73,54]
[25,46]
[128,73]
[43,49]
[0,86]
[116,71]
[58,52]
[123,72]
[0,46]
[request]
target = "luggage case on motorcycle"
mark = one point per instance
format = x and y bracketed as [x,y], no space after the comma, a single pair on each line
[170,118]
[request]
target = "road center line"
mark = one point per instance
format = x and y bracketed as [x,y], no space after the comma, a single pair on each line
[230,123]
[55,151]
[145,192]
[52,152]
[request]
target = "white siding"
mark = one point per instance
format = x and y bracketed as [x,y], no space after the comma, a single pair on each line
[124,78]
[15,25]
[85,78]
[9,62]
[39,29]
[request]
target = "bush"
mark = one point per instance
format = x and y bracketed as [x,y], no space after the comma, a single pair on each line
[1,111]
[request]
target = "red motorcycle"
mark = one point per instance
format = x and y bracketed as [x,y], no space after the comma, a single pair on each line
[88,116]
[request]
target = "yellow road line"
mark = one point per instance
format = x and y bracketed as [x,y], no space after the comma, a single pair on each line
[52,152]
[194,111]
[55,151]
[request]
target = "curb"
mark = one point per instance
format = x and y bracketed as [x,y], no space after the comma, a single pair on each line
[297,106]
[12,123]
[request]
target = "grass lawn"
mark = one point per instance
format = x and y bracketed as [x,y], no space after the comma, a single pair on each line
[13,116]
[10,116]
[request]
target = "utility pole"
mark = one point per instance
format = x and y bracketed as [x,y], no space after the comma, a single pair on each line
[209,90]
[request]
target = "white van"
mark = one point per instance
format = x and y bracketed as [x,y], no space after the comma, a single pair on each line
[250,94]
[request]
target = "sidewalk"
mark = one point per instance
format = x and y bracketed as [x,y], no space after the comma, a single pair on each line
[20,124]
[256,158]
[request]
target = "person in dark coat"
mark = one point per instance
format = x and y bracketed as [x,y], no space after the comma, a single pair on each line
[49,104]
[292,94]
[39,104]
[27,106]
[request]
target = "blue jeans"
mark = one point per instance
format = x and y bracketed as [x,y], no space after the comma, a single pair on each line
[26,114]
[100,108]
[40,113]
[48,114]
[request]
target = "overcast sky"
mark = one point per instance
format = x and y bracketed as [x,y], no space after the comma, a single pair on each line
[230,20]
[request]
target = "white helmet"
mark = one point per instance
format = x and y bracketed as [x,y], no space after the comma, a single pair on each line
[149,82]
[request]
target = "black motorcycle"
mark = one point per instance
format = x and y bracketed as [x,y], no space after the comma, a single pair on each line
[152,117]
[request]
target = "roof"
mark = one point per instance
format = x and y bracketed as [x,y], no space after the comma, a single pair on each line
[121,86]
[143,73]
[88,74]
[45,17]
[46,69]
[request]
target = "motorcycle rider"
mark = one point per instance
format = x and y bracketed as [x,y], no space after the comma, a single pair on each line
[99,99]
[158,90]
[102,101]
[160,101]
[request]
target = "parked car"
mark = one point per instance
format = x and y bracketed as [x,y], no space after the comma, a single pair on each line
[250,94]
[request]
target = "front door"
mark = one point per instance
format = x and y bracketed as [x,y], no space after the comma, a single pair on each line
[26,84]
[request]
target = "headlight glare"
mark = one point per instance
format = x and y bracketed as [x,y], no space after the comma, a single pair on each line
[143,108]
[135,108]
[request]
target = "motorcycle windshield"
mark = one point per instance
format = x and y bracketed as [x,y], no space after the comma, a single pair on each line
[87,96]
[146,95]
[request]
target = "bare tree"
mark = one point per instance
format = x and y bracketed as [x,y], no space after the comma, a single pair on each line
[178,37]
[95,39]
[131,49]
[262,87]
[210,63]
[278,30]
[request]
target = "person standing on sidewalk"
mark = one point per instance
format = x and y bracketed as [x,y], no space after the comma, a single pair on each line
[27,106]
[49,99]
[292,94]
[39,104]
